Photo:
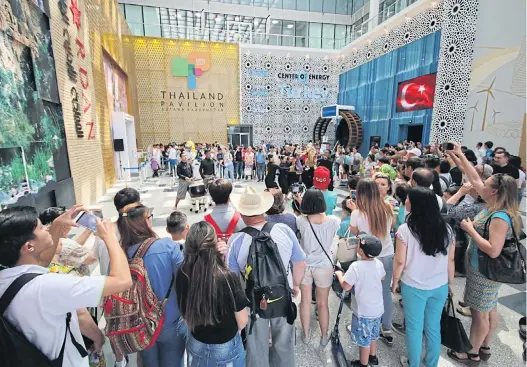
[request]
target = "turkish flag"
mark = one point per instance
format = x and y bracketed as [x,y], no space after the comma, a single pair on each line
[416,94]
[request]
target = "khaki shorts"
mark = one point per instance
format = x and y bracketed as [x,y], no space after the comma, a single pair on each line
[323,277]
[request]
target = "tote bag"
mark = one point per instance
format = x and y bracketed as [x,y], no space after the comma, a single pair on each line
[453,335]
[347,248]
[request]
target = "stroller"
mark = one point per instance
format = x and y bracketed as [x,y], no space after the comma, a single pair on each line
[336,346]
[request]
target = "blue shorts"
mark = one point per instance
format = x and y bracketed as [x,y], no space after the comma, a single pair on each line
[364,331]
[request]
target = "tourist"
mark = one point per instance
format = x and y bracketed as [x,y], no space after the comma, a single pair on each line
[276,213]
[252,206]
[386,168]
[207,169]
[516,162]
[317,232]
[326,161]
[224,217]
[229,165]
[273,169]
[411,165]
[445,179]
[212,302]
[370,214]
[481,294]
[249,163]
[321,181]
[424,177]
[369,165]
[238,163]
[185,174]
[162,260]
[260,165]
[365,276]
[27,247]
[384,183]
[177,227]
[488,151]
[481,152]
[424,263]
[401,192]
[220,164]
[502,165]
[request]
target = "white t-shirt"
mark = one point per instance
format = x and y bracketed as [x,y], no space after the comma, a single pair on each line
[359,220]
[326,233]
[366,276]
[521,180]
[422,271]
[172,154]
[39,309]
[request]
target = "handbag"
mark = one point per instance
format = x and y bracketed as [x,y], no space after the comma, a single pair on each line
[453,335]
[509,266]
[347,248]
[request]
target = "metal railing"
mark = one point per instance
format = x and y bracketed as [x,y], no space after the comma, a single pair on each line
[234,36]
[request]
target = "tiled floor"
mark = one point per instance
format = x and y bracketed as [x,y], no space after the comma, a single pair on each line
[506,347]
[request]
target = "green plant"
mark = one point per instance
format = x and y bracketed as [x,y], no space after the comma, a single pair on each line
[39,166]
[17,169]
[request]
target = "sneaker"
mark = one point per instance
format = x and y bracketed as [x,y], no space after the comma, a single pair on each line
[373,361]
[324,340]
[399,328]
[386,336]
[404,361]
[306,339]
[357,364]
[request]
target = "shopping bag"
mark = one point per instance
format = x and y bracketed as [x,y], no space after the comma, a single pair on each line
[453,334]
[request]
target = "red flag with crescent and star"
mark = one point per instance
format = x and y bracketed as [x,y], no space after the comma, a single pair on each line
[416,94]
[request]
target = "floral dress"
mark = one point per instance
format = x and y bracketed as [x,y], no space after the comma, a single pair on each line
[481,294]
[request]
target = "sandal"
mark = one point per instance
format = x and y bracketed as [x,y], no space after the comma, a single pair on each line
[469,361]
[484,356]
[465,311]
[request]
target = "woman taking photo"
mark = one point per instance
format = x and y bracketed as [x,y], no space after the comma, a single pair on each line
[317,232]
[372,215]
[276,213]
[162,260]
[384,183]
[424,262]
[481,294]
[212,302]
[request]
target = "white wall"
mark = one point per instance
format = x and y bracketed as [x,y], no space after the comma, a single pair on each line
[499,58]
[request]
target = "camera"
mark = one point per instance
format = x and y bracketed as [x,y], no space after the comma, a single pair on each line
[297,188]
[448,146]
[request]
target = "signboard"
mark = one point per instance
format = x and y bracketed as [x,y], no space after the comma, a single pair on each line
[332,111]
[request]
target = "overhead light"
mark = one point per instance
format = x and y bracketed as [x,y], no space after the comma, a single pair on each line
[256,21]
[178,15]
[237,19]
[290,25]
[275,22]
[197,14]
[218,19]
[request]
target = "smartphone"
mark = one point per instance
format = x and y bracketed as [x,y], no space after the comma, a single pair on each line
[353,194]
[448,146]
[87,220]
[295,189]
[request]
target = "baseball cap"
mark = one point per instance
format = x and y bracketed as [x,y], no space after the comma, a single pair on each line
[414,151]
[321,178]
[370,245]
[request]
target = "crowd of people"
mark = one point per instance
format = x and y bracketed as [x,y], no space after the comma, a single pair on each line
[223,288]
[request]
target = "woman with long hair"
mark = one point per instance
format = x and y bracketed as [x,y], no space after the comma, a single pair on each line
[424,262]
[162,260]
[372,215]
[317,232]
[212,301]
[481,294]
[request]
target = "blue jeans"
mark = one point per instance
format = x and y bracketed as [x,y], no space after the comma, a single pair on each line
[169,348]
[229,172]
[260,171]
[230,354]
[238,170]
[387,261]
[422,311]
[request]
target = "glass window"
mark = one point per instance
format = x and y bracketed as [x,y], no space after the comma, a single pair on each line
[340,35]
[315,34]
[289,4]
[151,20]
[275,4]
[328,36]
[357,4]
[134,16]
[301,34]
[342,7]
[315,5]
[274,32]
[288,32]
[302,4]
[329,6]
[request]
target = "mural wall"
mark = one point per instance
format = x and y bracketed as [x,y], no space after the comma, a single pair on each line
[33,156]
[116,89]
[282,95]
[497,96]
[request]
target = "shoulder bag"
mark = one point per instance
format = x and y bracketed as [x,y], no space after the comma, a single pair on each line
[509,266]
[347,248]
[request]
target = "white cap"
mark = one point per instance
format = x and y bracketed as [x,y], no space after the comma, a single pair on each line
[414,151]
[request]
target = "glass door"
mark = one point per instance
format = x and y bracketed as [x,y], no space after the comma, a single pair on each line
[244,140]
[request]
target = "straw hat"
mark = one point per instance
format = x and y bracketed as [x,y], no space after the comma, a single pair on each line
[252,203]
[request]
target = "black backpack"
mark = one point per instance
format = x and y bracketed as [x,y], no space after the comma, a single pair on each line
[267,287]
[15,349]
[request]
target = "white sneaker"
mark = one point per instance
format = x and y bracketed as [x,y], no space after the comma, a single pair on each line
[348,328]
[121,363]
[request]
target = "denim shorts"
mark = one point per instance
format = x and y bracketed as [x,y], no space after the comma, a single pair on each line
[230,354]
[364,331]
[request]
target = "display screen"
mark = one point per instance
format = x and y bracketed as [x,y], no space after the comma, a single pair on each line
[416,94]
[88,220]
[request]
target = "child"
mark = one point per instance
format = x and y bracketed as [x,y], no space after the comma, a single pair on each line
[366,275]
[345,221]
[178,227]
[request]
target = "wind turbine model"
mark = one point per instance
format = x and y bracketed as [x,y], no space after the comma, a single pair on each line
[475,109]
[489,93]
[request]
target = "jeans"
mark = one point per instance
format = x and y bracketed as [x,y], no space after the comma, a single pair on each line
[281,353]
[230,354]
[260,171]
[238,170]
[169,348]
[229,172]
[387,261]
[422,311]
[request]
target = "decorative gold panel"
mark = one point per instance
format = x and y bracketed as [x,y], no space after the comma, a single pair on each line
[200,114]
